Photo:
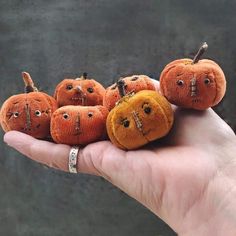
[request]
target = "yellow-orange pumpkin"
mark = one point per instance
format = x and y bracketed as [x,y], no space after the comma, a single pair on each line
[79,125]
[197,84]
[80,91]
[138,119]
[29,112]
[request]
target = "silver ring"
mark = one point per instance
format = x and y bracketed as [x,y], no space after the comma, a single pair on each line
[73,159]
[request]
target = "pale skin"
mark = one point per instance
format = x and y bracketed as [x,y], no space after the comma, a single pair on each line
[188,179]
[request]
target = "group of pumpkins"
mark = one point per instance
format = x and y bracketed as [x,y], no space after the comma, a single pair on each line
[131,111]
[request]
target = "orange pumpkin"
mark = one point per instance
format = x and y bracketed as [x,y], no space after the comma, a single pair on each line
[29,112]
[80,91]
[133,83]
[75,125]
[138,119]
[197,84]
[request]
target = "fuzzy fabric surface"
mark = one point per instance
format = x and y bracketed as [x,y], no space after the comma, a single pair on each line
[85,92]
[197,86]
[138,119]
[133,83]
[79,125]
[29,113]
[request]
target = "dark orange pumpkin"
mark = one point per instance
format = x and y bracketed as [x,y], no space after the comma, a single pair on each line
[133,83]
[75,125]
[80,91]
[29,112]
[139,118]
[197,84]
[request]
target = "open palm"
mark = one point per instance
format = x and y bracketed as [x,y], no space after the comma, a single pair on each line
[187,178]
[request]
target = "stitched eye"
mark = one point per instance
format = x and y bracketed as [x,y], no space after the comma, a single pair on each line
[69,87]
[207,81]
[126,123]
[90,90]
[65,116]
[90,114]
[38,113]
[134,78]
[16,114]
[147,110]
[180,82]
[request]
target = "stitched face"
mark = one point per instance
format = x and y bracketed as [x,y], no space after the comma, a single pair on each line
[133,83]
[139,119]
[29,113]
[85,92]
[74,125]
[197,86]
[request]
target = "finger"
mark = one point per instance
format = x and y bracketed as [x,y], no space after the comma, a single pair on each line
[101,158]
[50,154]
[130,171]
[56,155]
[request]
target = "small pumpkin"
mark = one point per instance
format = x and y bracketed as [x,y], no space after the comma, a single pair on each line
[139,118]
[197,84]
[29,112]
[79,125]
[80,91]
[133,83]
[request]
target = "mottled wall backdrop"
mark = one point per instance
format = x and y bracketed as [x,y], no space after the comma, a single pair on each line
[52,39]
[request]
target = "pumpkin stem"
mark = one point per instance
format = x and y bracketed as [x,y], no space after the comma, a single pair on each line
[85,75]
[29,84]
[121,87]
[201,50]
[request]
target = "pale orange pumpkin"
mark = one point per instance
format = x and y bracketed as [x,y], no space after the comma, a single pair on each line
[133,83]
[79,125]
[197,84]
[80,91]
[29,112]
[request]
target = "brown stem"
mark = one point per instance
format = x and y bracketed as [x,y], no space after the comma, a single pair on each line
[201,50]
[85,75]
[121,87]
[29,84]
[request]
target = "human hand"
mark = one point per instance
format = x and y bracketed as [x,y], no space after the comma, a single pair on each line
[187,178]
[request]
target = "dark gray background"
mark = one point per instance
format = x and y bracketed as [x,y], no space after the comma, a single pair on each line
[53,39]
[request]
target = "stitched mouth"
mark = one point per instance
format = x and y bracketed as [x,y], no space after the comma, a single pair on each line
[196,100]
[76,98]
[147,132]
[77,133]
[25,129]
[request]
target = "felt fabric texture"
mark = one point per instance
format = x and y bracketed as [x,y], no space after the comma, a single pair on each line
[197,86]
[79,125]
[29,113]
[138,119]
[85,92]
[133,83]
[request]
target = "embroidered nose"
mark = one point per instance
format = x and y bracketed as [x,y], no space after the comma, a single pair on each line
[77,124]
[137,121]
[79,89]
[193,87]
[28,118]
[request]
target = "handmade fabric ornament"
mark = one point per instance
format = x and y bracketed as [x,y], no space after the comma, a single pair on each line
[138,118]
[29,112]
[133,83]
[80,91]
[197,84]
[75,125]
